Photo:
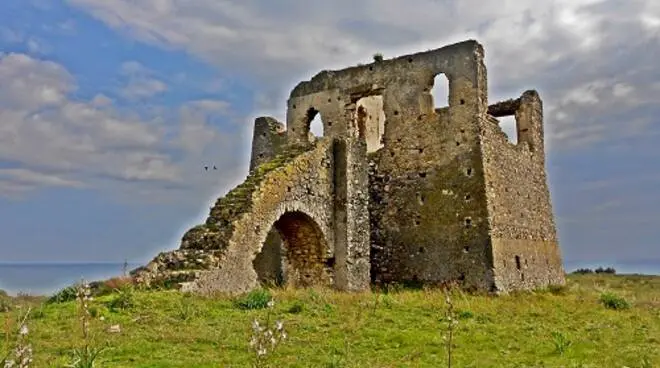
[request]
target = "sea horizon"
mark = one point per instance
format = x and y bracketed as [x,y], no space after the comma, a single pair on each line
[47,277]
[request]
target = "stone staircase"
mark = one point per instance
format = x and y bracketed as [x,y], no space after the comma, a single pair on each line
[203,246]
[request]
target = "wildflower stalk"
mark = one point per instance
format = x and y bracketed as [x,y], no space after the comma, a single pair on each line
[7,332]
[23,351]
[86,356]
[264,339]
[451,324]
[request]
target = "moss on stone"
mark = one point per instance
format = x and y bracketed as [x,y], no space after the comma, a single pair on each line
[218,228]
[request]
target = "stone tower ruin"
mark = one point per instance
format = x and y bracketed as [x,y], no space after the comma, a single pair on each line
[396,189]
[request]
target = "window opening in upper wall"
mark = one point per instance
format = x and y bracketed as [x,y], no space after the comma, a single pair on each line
[315,123]
[370,121]
[440,91]
[508,126]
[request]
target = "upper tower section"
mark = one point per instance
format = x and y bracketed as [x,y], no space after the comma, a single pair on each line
[356,101]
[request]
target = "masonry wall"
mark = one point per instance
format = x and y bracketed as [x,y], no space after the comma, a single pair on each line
[268,139]
[396,190]
[429,211]
[427,208]
[524,240]
[305,185]
[300,199]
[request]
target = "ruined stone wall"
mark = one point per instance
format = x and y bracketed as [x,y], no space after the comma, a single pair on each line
[335,94]
[268,140]
[295,193]
[428,210]
[315,250]
[431,223]
[352,213]
[305,185]
[524,239]
[396,189]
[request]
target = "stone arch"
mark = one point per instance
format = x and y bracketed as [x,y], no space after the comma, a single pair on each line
[295,252]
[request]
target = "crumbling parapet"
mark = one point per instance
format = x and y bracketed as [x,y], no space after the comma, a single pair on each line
[525,251]
[268,140]
[403,82]
[528,113]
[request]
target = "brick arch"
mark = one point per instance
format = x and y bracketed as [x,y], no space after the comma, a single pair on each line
[295,253]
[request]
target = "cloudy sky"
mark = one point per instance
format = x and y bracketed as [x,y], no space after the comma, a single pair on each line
[109,109]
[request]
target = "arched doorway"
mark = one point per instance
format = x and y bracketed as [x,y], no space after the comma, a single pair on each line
[295,253]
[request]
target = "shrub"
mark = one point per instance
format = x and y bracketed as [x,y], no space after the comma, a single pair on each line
[296,308]
[125,299]
[465,314]
[5,305]
[557,289]
[112,284]
[613,301]
[561,342]
[584,271]
[187,308]
[67,294]
[378,57]
[255,299]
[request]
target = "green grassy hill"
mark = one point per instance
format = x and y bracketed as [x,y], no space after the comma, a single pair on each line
[595,321]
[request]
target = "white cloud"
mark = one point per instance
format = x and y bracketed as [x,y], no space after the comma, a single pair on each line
[68,26]
[133,67]
[585,94]
[143,88]
[19,181]
[55,140]
[101,100]
[139,81]
[10,35]
[622,89]
[34,46]
[563,48]
[208,105]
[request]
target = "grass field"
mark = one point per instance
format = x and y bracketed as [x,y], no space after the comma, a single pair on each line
[595,321]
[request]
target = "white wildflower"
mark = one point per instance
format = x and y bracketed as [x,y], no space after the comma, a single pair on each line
[24,330]
[114,329]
